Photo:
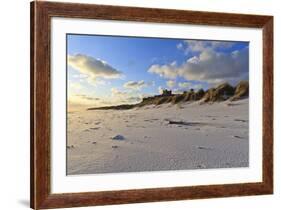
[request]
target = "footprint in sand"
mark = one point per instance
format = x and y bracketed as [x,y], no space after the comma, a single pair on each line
[200,166]
[70,147]
[228,164]
[237,137]
[210,116]
[118,138]
[204,148]
[240,120]
[151,120]
[96,128]
[114,146]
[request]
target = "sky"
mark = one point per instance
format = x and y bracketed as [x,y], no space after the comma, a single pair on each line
[113,70]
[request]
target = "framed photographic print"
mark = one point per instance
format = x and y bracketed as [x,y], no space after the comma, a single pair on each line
[141,105]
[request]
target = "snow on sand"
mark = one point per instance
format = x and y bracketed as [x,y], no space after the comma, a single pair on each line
[155,138]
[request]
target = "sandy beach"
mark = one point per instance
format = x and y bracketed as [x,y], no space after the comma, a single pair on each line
[156,138]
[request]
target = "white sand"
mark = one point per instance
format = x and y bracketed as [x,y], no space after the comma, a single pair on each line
[219,140]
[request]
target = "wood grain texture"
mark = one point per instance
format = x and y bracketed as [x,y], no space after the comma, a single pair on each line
[41,14]
[268,104]
[32,128]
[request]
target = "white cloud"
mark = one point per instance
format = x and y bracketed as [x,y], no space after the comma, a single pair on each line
[167,71]
[171,83]
[124,97]
[137,85]
[83,100]
[92,67]
[177,91]
[197,86]
[116,93]
[96,81]
[87,97]
[184,84]
[188,85]
[209,66]
[195,46]
[200,46]
[221,44]
[179,46]
[76,86]
[80,76]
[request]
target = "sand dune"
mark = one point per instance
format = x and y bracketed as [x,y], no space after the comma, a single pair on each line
[222,92]
[155,138]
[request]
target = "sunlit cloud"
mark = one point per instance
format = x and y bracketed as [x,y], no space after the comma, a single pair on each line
[134,84]
[171,83]
[209,66]
[83,99]
[125,97]
[184,84]
[193,46]
[137,85]
[79,76]
[95,69]
[168,71]
[75,86]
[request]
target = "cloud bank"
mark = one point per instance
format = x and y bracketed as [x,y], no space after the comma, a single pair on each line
[209,66]
[121,97]
[83,99]
[191,47]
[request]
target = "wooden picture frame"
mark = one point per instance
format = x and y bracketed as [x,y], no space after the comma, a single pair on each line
[41,14]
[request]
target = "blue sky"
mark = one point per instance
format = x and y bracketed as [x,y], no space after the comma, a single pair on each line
[105,70]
